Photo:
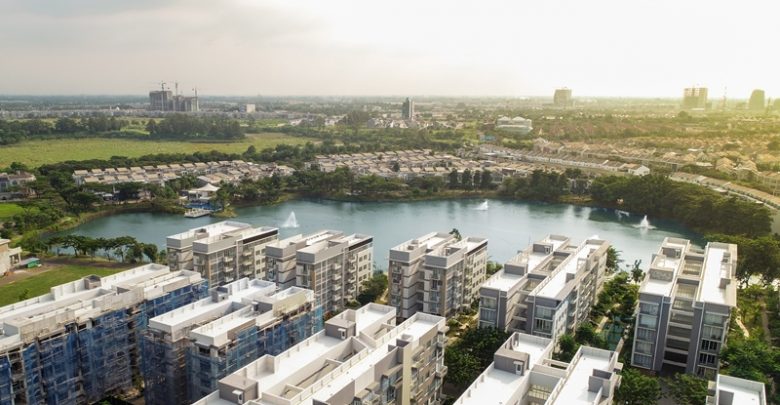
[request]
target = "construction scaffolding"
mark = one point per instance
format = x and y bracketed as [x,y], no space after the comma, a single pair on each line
[82,359]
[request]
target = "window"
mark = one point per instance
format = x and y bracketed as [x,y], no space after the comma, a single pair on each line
[710,345]
[644,347]
[714,319]
[489,303]
[708,359]
[539,392]
[642,360]
[645,334]
[486,314]
[647,321]
[650,309]
[544,312]
[712,333]
[543,325]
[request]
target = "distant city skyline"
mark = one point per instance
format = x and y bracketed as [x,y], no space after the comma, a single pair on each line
[607,48]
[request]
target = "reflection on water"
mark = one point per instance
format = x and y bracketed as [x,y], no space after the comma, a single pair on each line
[508,225]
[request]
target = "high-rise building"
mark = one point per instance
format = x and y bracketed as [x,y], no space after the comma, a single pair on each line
[165,100]
[188,350]
[685,303]
[80,342]
[757,100]
[331,264]
[360,358]
[547,289]
[523,372]
[695,98]
[407,109]
[436,274]
[222,252]
[562,98]
[161,100]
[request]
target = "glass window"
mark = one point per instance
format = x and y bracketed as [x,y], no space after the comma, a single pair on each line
[642,360]
[488,302]
[544,312]
[714,319]
[712,333]
[647,321]
[650,309]
[645,334]
[710,345]
[644,347]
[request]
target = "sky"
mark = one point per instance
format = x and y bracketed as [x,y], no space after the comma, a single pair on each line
[611,48]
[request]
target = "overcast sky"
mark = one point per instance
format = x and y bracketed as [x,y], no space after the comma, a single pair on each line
[399,47]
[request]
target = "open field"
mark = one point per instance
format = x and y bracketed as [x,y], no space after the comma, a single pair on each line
[37,152]
[38,281]
[7,210]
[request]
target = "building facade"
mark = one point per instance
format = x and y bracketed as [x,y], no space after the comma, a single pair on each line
[547,289]
[695,98]
[562,98]
[436,274]
[189,349]
[407,109]
[221,252]
[728,390]
[685,303]
[360,358]
[9,256]
[80,342]
[523,372]
[331,264]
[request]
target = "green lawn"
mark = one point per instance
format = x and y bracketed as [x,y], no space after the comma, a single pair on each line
[7,210]
[40,284]
[37,152]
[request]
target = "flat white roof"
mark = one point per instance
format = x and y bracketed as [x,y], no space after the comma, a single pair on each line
[503,281]
[664,286]
[715,270]
[745,392]
[553,285]
[575,388]
[216,228]
[496,386]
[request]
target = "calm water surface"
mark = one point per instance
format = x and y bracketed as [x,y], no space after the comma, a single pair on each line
[509,225]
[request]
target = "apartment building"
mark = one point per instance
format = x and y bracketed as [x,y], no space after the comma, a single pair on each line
[728,390]
[685,302]
[360,358]
[331,264]
[222,252]
[80,342]
[188,350]
[523,372]
[547,289]
[436,274]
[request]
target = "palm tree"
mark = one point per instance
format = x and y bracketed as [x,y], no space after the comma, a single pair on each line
[636,273]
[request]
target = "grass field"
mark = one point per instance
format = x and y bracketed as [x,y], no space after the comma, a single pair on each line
[7,210]
[38,152]
[40,284]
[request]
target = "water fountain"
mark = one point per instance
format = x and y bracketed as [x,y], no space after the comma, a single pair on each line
[291,221]
[483,206]
[644,224]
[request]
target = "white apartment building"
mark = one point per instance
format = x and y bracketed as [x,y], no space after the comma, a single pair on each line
[331,264]
[547,289]
[685,303]
[523,372]
[360,358]
[436,274]
[222,252]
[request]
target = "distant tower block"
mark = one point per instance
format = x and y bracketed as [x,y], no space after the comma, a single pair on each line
[562,98]
[757,100]
[695,98]
[407,109]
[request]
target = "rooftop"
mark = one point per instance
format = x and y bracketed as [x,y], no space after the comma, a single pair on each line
[745,392]
[575,389]
[552,286]
[217,228]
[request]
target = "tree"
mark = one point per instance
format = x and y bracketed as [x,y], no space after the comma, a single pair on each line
[24,294]
[466,180]
[486,182]
[492,268]
[637,389]
[687,389]
[456,233]
[636,273]
[613,259]
[751,359]
[567,348]
[373,288]
[454,181]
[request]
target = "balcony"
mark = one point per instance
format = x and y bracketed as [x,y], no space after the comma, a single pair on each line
[227,259]
[441,370]
[335,287]
[441,341]
[336,276]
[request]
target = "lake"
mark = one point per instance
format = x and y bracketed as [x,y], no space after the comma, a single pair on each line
[509,225]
